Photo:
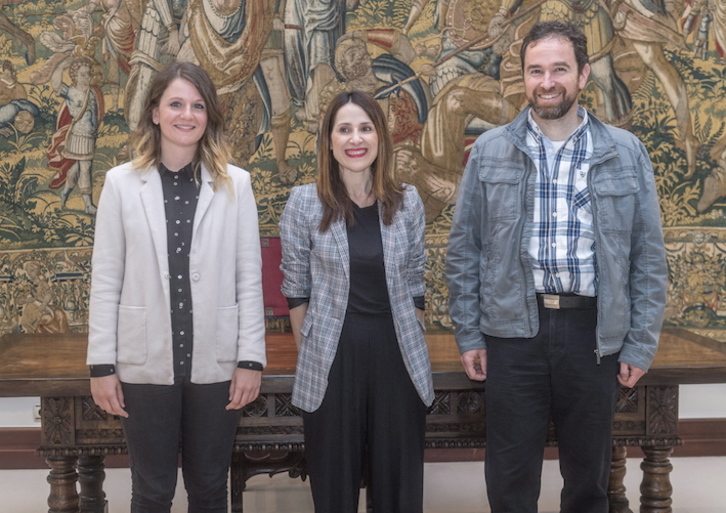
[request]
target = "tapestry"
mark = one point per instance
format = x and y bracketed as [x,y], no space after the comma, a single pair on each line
[74,75]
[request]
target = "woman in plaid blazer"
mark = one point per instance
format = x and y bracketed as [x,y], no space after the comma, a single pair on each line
[353,260]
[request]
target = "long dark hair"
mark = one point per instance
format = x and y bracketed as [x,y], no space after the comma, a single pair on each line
[331,189]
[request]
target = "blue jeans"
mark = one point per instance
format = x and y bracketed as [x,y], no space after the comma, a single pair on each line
[166,419]
[553,375]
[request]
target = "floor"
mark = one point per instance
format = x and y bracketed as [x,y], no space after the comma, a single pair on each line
[698,487]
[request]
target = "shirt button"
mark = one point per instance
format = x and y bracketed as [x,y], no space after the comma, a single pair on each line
[554,180]
[167,276]
[554,245]
[554,214]
[195,276]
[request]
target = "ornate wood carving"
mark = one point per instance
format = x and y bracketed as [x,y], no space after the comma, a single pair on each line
[91,476]
[627,400]
[91,412]
[441,404]
[470,402]
[662,410]
[656,488]
[63,497]
[249,463]
[284,407]
[270,441]
[617,500]
[58,420]
[257,408]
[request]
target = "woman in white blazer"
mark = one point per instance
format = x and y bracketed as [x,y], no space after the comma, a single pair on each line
[176,321]
[353,260]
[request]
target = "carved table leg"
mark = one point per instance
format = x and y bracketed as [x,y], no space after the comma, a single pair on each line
[656,489]
[90,478]
[63,497]
[616,490]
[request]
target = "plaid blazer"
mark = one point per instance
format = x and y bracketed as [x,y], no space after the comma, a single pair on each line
[317,265]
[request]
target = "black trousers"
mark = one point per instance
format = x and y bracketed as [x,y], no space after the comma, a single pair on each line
[164,419]
[554,375]
[371,417]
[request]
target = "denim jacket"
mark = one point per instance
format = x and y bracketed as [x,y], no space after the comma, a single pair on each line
[489,269]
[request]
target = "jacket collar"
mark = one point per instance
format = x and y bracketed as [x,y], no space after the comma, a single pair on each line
[152,196]
[603,143]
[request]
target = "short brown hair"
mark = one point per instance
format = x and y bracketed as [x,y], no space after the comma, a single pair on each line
[558,29]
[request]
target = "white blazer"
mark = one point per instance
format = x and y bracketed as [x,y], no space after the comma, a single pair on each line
[129,312]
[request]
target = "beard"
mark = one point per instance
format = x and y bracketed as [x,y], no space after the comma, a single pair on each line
[553,111]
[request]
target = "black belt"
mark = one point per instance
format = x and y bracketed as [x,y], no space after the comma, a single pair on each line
[558,301]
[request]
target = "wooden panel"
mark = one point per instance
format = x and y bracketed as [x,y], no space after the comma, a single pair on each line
[701,437]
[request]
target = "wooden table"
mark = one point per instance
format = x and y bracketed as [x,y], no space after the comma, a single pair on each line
[76,435]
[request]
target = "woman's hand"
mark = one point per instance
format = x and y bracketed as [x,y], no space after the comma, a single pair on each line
[244,389]
[108,396]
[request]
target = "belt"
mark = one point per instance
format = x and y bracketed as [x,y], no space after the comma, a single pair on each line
[558,301]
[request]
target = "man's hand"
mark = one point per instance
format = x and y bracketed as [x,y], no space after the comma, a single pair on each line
[244,389]
[108,396]
[475,364]
[629,375]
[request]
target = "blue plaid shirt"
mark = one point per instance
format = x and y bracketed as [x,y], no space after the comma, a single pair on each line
[562,246]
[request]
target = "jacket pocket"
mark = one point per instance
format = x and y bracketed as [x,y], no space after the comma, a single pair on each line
[307,324]
[227,333]
[132,335]
[501,191]
[615,194]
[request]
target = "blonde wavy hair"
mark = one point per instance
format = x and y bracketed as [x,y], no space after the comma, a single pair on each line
[213,150]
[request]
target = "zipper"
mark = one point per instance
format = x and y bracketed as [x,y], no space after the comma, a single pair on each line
[598,244]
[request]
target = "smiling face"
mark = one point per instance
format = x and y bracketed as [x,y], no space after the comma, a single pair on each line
[353,139]
[182,119]
[552,81]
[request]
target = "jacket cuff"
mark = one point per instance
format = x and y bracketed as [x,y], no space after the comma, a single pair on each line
[250,365]
[100,371]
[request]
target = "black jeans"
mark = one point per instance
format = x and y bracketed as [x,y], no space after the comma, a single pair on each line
[166,419]
[553,375]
